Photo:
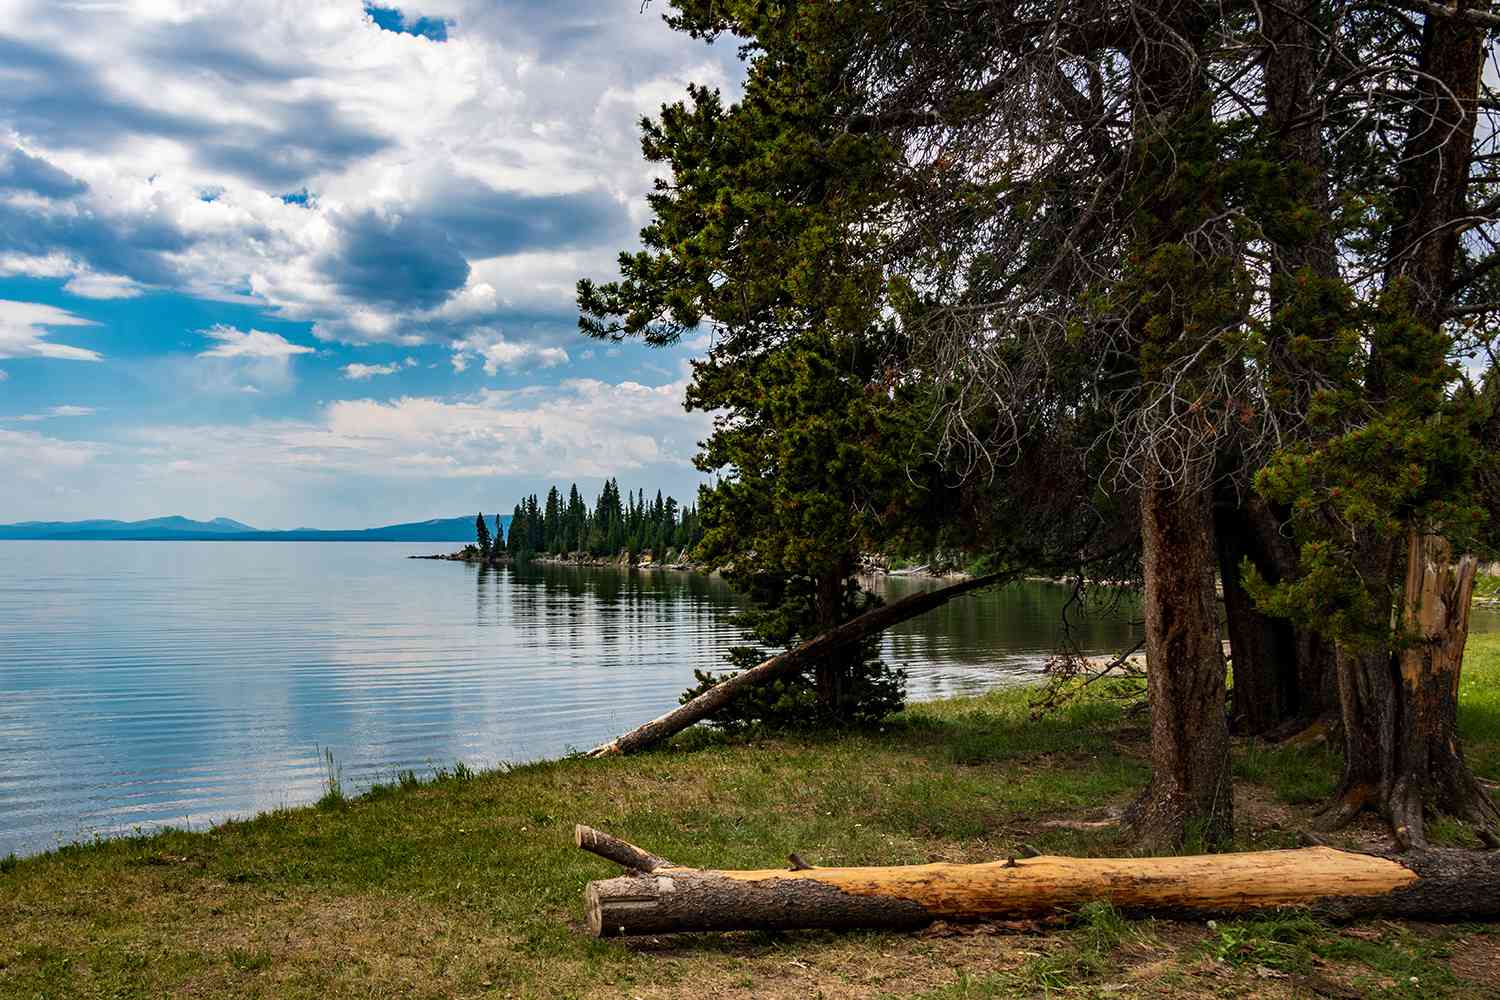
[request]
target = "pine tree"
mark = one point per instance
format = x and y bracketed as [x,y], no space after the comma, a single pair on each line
[518,537]
[552,526]
[482,534]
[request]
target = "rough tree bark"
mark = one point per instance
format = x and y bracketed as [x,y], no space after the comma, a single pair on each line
[1263,650]
[852,631]
[1190,790]
[831,672]
[1284,680]
[1402,756]
[659,897]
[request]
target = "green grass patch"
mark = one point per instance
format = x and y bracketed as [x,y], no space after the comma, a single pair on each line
[467,884]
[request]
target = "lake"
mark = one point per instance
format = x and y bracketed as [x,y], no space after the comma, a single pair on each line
[151,683]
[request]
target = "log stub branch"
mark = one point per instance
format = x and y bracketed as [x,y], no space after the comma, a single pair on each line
[621,852]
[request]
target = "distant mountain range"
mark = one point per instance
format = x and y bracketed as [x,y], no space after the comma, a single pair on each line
[223,529]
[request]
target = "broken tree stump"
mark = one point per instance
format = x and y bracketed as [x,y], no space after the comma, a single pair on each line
[667,898]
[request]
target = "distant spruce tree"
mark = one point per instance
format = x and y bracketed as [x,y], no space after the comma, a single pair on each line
[517,537]
[482,533]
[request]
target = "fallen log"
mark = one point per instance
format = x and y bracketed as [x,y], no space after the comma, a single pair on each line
[1431,884]
[783,664]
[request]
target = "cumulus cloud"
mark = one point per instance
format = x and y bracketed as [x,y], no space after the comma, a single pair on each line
[583,428]
[87,285]
[358,371]
[232,343]
[498,352]
[395,259]
[25,327]
[390,172]
[243,361]
[22,172]
[436,455]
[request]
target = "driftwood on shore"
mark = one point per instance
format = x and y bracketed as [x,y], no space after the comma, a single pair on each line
[783,664]
[659,897]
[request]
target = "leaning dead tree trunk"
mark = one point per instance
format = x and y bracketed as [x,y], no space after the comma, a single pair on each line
[658,897]
[783,664]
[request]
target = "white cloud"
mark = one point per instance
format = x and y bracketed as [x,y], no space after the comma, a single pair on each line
[24,329]
[358,371]
[88,285]
[580,429]
[4,375]
[36,458]
[413,456]
[53,411]
[232,343]
[497,353]
[182,125]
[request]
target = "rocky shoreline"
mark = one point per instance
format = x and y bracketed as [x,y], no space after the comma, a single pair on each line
[870,566]
[469,554]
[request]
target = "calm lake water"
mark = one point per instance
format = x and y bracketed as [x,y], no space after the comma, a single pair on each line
[149,683]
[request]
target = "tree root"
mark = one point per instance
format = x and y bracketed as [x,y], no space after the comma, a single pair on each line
[1340,811]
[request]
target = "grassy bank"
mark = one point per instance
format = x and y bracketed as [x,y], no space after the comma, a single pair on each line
[469,886]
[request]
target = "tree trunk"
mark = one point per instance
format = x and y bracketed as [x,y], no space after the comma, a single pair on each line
[1402,755]
[1429,765]
[852,631]
[1284,678]
[1280,702]
[1189,793]
[831,672]
[1263,650]
[668,898]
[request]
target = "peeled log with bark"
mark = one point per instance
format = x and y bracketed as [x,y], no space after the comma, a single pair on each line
[852,631]
[1429,884]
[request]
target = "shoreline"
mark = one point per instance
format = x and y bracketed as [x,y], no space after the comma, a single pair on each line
[870,568]
[470,884]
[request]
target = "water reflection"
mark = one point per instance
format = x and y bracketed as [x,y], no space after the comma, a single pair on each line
[145,683]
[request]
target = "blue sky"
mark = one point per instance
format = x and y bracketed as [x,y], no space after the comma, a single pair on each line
[312,264]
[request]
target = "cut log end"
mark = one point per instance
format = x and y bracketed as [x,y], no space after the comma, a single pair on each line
[592,911]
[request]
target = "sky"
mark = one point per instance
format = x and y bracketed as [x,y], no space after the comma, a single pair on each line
[311,262]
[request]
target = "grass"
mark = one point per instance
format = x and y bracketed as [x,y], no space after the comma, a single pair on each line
[459,884]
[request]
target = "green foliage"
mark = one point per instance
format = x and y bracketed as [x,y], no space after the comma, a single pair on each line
[819,449]
[482,537]
[1396,446]
[633,525]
